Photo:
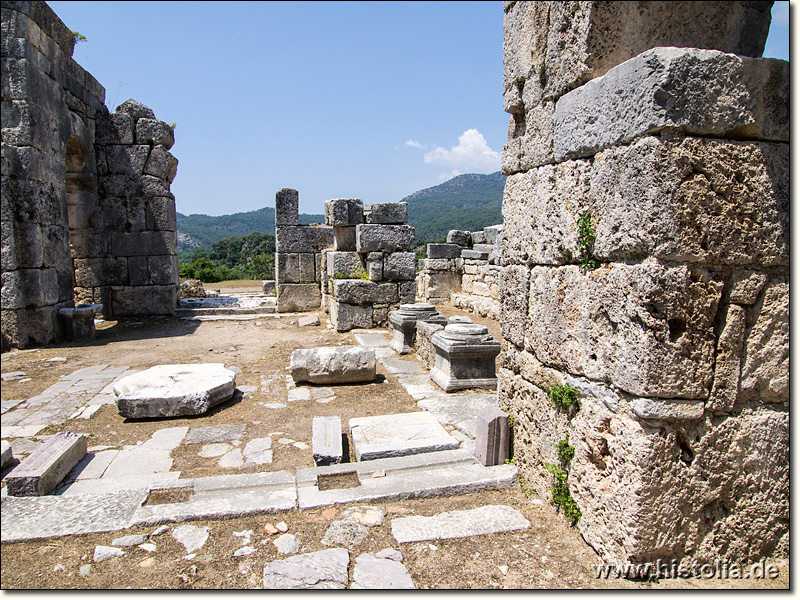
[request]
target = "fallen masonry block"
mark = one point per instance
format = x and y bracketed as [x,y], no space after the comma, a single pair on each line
[443,251]
[387,436]
[457,236]
[268,287]
[491,443]
[6,455]
[333,364]
[45,467]
[326,440]
[308,320]
[174,390]
[458,524]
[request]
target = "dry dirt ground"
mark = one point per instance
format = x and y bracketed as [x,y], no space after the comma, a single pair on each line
[550,554]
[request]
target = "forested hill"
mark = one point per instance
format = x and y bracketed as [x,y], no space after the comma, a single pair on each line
[468,202]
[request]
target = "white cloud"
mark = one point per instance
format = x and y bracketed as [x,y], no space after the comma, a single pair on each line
[472,154]
[413,144]
[450,175]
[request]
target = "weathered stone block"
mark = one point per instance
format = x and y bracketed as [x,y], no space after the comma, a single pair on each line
[514,288]
[407,292]
[113,129]
[303,238]
[6,455]
[375,267]
[163,269]
[465,357]
[399,266]
[136,110]
[384,238]
[386,213]
[154,133]
[746,286]
[492,440]
[286,207]
[161,164]
[45,467]
[436,264]
[125,160]
[287,267]
[344,239]
[143,243]
[29,288]
[459,237]
[362,292]
[326,440]
[474,255]
[344,265]
[160,214]
[268,287]
[647,328]
[333,364]
[345,317]
[344,212]
[298,297]
[741,97]
[174,390]
[440,284]
[404,322]
[435,251]
[144,300]
[307,267]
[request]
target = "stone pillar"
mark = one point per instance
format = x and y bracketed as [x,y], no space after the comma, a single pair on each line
[653,280]
[79,321]
[404,324]
[298,256]
[465,357]
[492,439]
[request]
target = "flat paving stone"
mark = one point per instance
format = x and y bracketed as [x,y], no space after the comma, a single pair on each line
[398,435]
[214,433]
[214,450]
[344,533]
[375,340]
[460,411]
[93,465]
[372,573]
[326,569]
[192,537]
[458,524]
[40,517]
[398,366]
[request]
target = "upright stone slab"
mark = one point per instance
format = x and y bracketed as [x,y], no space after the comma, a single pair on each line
[6,454]
[45,467]
[287,207]
[465,355]
[333,364]
[404,324]
[492,441]
[174,390]
[344,212]
[326,440]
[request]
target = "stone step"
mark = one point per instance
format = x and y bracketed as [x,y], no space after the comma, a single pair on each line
[198,312]
[446,473]
[46,466]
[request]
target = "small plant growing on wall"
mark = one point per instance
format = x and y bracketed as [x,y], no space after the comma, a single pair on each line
[562,395]
[520,83]
[586,238]
[561,494]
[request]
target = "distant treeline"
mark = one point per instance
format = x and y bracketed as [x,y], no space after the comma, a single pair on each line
[243,257]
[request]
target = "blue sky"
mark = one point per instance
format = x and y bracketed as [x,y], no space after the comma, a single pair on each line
[370,100]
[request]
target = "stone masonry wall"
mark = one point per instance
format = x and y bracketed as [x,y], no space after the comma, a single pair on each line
[673,322]
[85,194]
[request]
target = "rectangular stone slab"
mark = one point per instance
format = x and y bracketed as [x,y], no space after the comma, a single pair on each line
[326,440]
[46,466]
[459,523]
[398,435]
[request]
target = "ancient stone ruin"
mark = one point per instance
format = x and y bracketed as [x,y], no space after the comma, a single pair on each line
[87,214]
[645,257]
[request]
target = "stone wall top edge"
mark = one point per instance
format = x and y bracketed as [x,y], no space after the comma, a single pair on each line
[46,19]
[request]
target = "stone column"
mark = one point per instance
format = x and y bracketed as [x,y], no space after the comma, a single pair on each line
[404,324]
[644,294]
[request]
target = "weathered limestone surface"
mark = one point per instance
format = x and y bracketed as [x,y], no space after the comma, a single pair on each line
[386,213]
[344,212]
[174,390]
[384,238]
[335,364]
[46,466]
[326,569]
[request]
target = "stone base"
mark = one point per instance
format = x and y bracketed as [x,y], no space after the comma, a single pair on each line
[399,435]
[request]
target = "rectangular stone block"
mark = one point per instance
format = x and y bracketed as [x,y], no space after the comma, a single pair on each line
[25,288]
[443,251]
[492,440]
[388,436]
[375,268]
[400,266]
[326,440]
[298,297]
[436,264]
[407,292]
[163,269]
[386,213]
[362,292]
[344,239]
[143,243]
[384,238]
[287,267]
[345,317]
[441,284]
[344,265]
[474,255]
[742,97]
[286,207]
[344,212]
[307,267]
[46,466]
[303,238]
[646,328]
[144,300]
[460,237]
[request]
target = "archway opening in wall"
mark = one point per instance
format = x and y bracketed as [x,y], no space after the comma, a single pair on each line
[82,215]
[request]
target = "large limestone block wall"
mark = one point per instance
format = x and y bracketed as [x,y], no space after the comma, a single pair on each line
[677,338]
[85,194]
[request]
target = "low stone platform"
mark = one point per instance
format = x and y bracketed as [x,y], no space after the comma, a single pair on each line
[242,304]
[386,436]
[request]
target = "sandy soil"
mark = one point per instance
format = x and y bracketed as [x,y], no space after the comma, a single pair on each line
[550,554]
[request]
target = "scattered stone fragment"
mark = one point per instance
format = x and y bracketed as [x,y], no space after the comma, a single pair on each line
[503,569]
[214,433]
[296,394]
[326,569]
[274,405]
[370,516]
[270,529]
[102,553]
[344,533]
[6,454]
[148,547]
[391,554]
[287,544]
[12,376]
[85,570]
[282,527]
[46,466]
[300,445]
[329,513]
[377,474]
[160,530]
[258,451]
[130,540]
[232,460]
[380,573]
[57,359]
[244,534]
[248,389]
[308,320]
[244,551]
[147,563]
[57,568]
[285,441]
[191,537]
[214,450]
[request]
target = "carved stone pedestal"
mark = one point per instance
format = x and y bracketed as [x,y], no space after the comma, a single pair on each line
[404,322]
[465,357]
